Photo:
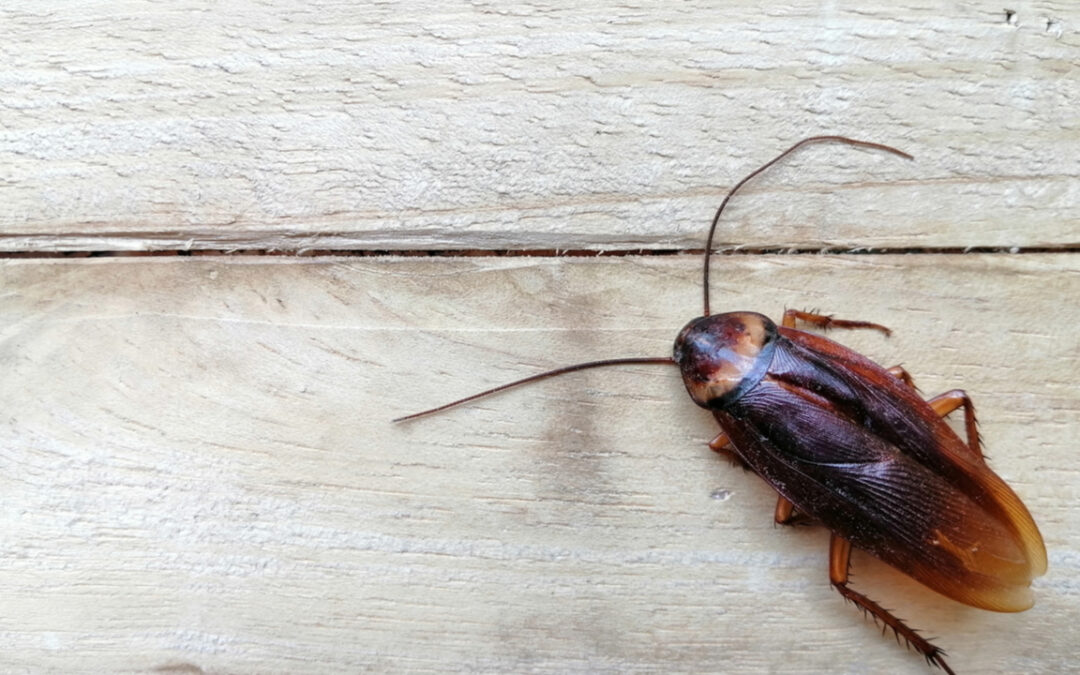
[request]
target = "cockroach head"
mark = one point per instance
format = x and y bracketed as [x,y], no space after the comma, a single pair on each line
[724,355]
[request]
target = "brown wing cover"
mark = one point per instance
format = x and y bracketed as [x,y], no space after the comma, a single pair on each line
[852,446]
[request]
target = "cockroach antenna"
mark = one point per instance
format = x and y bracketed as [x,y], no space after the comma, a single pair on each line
[765,167]
[708,249]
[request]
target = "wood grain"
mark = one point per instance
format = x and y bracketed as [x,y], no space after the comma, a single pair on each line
[339,125]
[200,473]
[199,470]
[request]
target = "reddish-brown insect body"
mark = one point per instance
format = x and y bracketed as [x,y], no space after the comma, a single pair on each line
[852,445]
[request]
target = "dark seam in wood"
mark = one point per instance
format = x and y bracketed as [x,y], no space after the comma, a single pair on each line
[545,253]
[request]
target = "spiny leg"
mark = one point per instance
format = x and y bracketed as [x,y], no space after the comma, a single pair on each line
[943,404]
[839,562]
[825,322]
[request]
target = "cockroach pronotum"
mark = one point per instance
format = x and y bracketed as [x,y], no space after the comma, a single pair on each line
[853,446]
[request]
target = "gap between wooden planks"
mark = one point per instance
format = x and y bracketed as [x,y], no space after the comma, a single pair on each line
[201,473]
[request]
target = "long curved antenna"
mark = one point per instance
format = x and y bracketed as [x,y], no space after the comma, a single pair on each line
[540,376]
[744,181]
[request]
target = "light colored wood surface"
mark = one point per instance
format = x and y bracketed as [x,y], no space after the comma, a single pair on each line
[199,469]
[200,472]
[192,124]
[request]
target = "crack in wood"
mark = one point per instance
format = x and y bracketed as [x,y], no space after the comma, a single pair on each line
[546,253]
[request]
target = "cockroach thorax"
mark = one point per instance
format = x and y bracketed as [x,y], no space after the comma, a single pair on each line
[724,355]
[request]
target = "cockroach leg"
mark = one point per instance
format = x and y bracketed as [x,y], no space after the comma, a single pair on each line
[785,513]
[839,562]
[904,376]
[825,322]
[721,445]
[943,404]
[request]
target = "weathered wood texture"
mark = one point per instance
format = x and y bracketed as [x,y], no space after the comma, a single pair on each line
[199,470]
[483,125]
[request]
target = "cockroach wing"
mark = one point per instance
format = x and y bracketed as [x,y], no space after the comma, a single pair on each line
[852,446]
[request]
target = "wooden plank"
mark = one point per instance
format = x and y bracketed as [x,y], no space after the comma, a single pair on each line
[200,472]
[597,125]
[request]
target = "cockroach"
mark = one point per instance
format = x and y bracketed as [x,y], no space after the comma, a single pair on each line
[853,446]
